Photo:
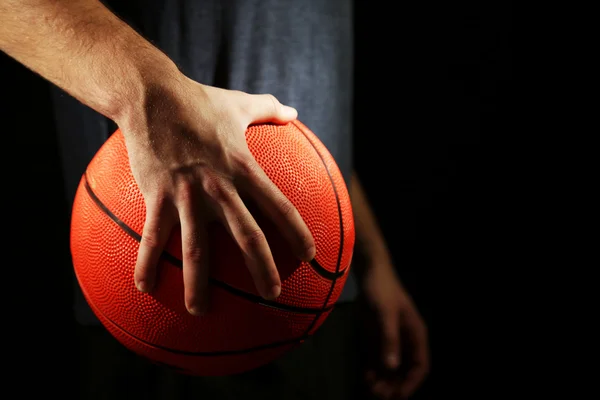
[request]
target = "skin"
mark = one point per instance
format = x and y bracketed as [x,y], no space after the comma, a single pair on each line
[397,339]
[189,157]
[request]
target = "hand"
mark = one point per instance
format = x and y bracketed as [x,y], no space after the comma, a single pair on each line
[189,157]
[399,350]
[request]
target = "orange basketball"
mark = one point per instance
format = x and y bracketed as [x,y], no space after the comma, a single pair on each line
[241,331]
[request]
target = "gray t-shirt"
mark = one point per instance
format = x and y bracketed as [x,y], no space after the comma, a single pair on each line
[299,51]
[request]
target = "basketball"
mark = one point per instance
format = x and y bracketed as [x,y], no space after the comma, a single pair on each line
[241,331]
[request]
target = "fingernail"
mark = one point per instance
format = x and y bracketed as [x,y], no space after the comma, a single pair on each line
[142,286]
[310,253]
[274,292]
[196,311]
[392,361]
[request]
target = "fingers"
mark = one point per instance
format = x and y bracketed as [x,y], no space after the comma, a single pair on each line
[381,388]
[249,237]
[282,212]
[156,232]
[266,108]
[390,331]
[400,330]
[195,254]
[416,336]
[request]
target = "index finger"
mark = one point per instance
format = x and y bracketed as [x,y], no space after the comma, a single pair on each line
[251,240]
[280,210]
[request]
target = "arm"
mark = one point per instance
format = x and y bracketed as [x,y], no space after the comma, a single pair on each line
[185,140]
[83,48]
[397,320]
[368,234]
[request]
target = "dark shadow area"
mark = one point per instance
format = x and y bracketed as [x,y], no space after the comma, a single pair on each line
[432,84]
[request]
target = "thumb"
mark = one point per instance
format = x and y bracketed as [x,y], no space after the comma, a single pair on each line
[390,341]
[266,108]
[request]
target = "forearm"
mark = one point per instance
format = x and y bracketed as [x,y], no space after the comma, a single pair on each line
[368,234]
[83,48]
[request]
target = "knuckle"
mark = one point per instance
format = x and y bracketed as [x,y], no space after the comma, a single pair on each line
[193,253]
[156,201]
[150,240]
[216,189]
[224,131]
[274,102]
[285,208]
[245,103]
[416,321]
[253,240]
[243,164]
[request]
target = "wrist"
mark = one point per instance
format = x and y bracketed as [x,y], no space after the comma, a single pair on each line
[375,253]
[149,88]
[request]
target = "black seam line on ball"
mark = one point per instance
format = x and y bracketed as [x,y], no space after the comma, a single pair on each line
[179,264]
[210,353]
[325,308]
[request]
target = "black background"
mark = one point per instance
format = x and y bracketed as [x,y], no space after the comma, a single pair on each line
[432,84]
